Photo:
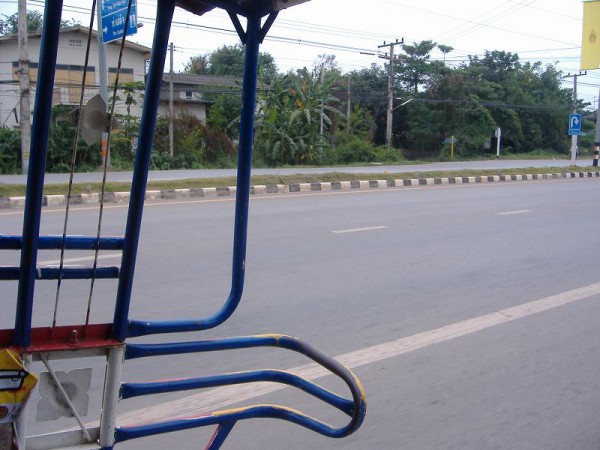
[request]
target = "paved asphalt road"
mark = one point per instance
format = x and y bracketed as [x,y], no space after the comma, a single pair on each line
[186,174]
[444,280]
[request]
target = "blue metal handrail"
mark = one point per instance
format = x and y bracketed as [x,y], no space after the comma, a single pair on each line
[355,408]
[252,38]
[66,273]
[56,242]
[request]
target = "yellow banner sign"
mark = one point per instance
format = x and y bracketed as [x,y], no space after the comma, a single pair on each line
[16,385]
[590,44]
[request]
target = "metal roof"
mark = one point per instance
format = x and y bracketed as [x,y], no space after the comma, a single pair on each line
[241,7]
[203,80]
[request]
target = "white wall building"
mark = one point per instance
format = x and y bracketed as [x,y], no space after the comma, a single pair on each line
[69,70]
[193,94]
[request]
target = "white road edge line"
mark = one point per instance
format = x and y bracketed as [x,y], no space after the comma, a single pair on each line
[80,259]
[359,230]
[510,213]
[224,397]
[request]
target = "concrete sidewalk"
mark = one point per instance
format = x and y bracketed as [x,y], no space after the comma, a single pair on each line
[96,177]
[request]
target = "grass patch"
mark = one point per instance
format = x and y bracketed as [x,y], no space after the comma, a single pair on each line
[9,190]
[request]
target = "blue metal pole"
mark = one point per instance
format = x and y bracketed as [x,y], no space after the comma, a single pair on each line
[220,435]
[138,327]
[35,175]
[164,17]
[244,168]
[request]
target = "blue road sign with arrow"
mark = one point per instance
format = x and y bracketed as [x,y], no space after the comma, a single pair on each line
[574,124]
[114,15]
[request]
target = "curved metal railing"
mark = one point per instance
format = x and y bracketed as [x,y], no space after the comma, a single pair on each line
[226,419]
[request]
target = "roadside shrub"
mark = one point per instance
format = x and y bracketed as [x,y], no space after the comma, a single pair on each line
[356,150]
[10,151]
[122,151]
[60,145]
[196,145]
[160,160]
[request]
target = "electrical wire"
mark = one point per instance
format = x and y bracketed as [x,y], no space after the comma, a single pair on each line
[338,30]
[105,165]
[72,168]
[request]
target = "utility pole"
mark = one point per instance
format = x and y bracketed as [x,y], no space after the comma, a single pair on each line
[390,106]
[24,87]
[321,126]
[574,138]
[171,145]
[349,105]
[597,138]
[103,80]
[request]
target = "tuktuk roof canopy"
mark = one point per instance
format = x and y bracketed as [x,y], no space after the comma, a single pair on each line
[241,7]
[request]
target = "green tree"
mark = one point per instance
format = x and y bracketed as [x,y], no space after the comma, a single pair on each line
[228,60]
[133,93]
[288,129]
[361,123]
[445,49]
[416,67]
[525,100]
[224,113]
[328,66]
[369,90]
[35,21]
[197,65]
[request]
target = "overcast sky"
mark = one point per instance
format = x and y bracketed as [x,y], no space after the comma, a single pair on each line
[538,30]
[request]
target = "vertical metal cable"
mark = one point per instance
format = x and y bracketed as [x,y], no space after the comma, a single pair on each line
[73,162]
[108,142]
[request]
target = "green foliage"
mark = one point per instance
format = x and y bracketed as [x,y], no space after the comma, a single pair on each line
[197,65]
[10,24]
[228,60]
[416,67]
[361,124]
[10,151]
[60,145]
[35,21]
[196,145]
[223,112]
[289,126]
[355,150]
[369,91]
[525,100]
[122,150]
[133,95]
[298,119]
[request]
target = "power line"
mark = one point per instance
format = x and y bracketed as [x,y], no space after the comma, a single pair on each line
[473,24]
[437,13]
[339,31]
[345,32]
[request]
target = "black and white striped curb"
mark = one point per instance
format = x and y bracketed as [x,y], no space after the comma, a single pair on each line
[181,194]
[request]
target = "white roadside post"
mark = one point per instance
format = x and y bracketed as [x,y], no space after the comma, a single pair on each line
[499,137]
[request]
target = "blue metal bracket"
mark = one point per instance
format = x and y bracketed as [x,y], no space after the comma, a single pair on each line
[138,327]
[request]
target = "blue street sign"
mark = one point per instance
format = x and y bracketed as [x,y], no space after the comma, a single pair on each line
[451,140]
[111,6]
[574,124]
[114,15]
